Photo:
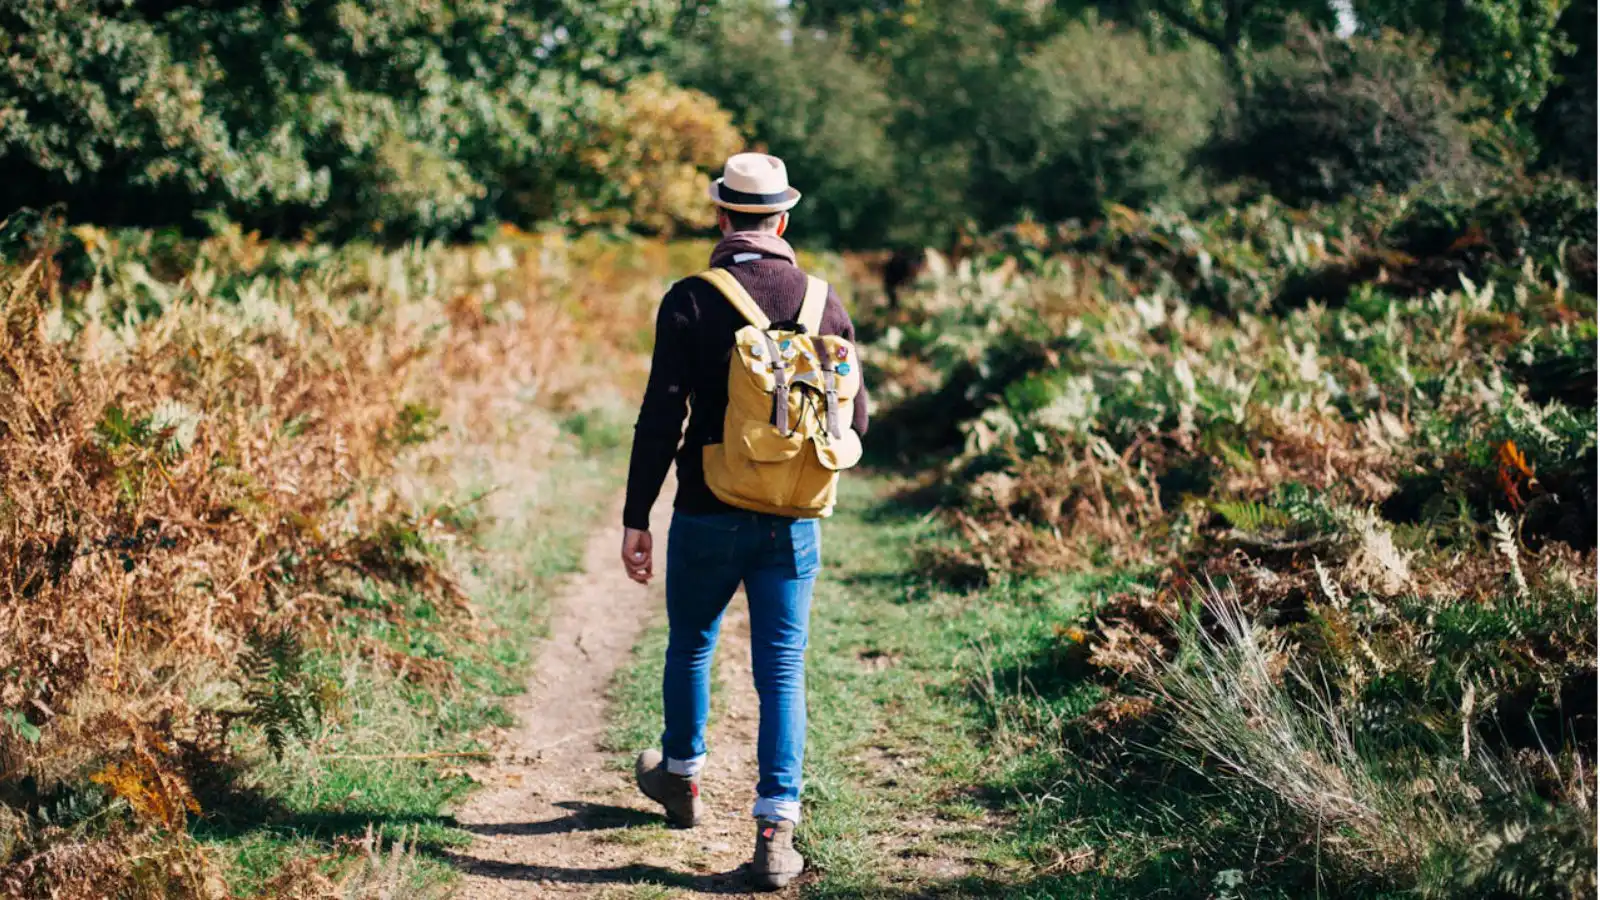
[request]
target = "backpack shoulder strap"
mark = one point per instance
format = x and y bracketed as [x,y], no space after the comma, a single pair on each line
[811,308]
[723,281]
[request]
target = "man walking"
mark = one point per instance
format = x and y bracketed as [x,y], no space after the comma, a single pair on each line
[713,546]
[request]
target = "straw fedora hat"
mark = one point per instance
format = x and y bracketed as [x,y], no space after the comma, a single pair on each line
[754,183]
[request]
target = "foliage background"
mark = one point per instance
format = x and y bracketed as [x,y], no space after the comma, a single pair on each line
[905,121]
[340,118]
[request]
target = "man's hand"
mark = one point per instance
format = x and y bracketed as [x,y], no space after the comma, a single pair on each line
[636,546]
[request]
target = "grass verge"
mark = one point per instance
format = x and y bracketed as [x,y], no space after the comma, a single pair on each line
[415,694]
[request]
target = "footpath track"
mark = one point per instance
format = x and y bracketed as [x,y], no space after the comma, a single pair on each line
[559,814]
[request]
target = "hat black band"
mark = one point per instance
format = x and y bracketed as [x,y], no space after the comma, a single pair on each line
[732,196]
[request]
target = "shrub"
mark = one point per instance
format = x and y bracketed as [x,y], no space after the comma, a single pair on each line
[1242,705]
[1257,714]
[1548,221]
[646,159]
[1325,117]
[1392,496]
[1095,117]
[199,444]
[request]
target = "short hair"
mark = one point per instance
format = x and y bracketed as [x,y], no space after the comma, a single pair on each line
[749,221]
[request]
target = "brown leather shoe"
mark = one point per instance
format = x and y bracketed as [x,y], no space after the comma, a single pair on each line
[679,795]
[776,862]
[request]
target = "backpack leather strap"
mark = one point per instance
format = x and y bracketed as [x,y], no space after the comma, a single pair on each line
[738,297]
[780,385]
[811,307]
[810,319]
[830,393]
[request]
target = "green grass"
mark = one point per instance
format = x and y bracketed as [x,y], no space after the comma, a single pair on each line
[904,681]
[313,807]
[952,770]
[938,761]
[635,696]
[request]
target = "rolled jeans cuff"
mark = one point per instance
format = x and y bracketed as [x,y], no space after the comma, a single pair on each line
[768,808]
[688,768]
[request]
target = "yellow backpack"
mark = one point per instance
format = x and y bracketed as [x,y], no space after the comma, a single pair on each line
[787,434]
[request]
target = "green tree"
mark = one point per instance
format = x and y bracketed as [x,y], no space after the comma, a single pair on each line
[954,71]
[1327,117]
[1231,27]
[802,95]
[87,94]
[409,116]
[917,119]
[1505,50]
[879,29]
[1096,116]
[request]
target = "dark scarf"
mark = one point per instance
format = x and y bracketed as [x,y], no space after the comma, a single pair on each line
[763,242]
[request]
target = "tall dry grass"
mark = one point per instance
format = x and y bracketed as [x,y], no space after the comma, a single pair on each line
[198,446]
[1254,711]
[1243,703]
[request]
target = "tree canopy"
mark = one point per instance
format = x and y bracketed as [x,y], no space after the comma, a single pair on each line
[1506,50]
[905,120]
[404,114]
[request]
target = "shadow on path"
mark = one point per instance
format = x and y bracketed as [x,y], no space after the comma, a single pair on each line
[731,882]
[583,817]
[589,817]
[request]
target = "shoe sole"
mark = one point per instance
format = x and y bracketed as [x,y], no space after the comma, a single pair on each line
[772,882]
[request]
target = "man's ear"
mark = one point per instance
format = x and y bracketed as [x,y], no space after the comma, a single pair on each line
[723,224]
[783,224]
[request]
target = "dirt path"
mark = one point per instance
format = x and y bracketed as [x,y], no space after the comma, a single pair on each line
[561,817]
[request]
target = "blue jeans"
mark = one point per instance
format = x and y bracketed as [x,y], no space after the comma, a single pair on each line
[777,560]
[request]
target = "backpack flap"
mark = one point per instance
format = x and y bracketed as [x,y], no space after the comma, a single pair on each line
[753,379]
[804,357]
[838,453]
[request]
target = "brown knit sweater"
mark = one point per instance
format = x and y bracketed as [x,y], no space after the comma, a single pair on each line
[689,370]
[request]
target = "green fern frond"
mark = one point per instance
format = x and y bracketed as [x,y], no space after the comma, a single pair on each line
[1250,516]
[284,699]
